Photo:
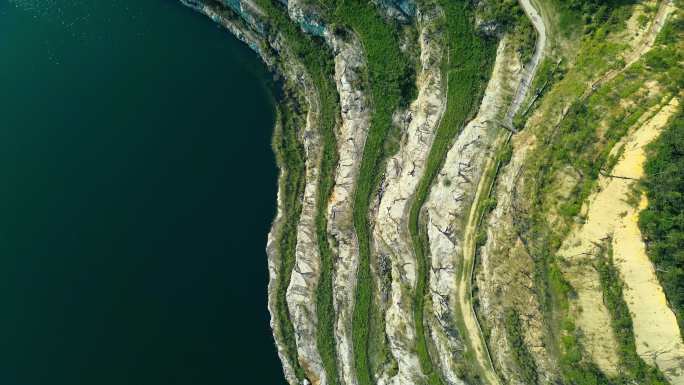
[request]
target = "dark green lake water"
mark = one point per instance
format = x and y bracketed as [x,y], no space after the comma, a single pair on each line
[137,185]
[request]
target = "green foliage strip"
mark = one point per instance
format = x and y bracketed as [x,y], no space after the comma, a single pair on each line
[317,60]
[467,68]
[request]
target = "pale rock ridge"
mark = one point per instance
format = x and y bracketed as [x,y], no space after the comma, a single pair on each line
[657,335]
[448,204]
[273,270]
[495,282]
[304,278]
[505,277]
[351,137]
[656,332]
[530,68]
[301,292]
[303,281]
[402,175]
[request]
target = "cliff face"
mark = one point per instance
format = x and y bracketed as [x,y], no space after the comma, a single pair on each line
[454,194]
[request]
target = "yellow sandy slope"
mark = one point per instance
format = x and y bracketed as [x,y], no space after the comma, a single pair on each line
[609,214]
[656,332]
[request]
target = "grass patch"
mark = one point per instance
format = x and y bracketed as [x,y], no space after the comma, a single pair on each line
[588,16]
[548,73]
[507,16]
[579,146]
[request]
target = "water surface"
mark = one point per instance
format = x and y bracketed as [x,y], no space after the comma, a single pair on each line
[137,185]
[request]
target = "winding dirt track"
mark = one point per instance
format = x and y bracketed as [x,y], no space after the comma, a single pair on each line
[465,279]
[531,68]
[665,8]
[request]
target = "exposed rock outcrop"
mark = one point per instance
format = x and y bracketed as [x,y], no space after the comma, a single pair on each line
[349,67]
[529,69]
[505,279]
[242,29]
[451,197]
[403,172]
[401,10]
[307,269]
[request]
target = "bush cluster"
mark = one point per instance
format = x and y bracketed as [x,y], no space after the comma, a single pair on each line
[662,223]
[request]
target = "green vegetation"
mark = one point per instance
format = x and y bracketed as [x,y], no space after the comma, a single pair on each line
[509,17]
[548,73]
[662,222]
[577,369]
[521,353]
[671,31]
[290,158]
[391,79]
[467,68]
[317,60]
[590,15]
[568,154]
[579,145]
[324,298]
[633,368]
[590,123]
[562,170]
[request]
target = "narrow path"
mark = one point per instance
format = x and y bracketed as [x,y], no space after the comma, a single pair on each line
[465,279]
[530,68]
[664,10]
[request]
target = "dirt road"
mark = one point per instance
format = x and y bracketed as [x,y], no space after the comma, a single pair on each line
[465,278]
